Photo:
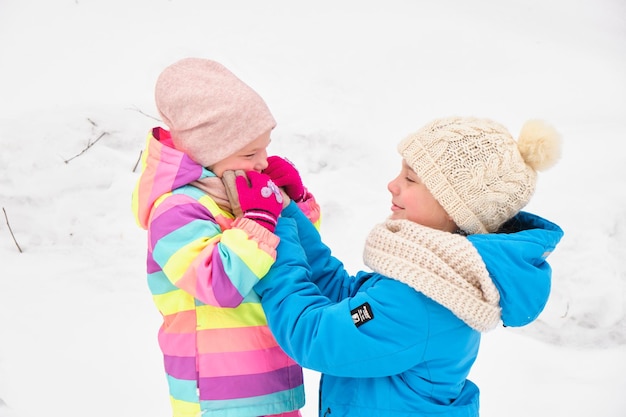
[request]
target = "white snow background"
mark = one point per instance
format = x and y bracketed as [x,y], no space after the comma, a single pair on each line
[346,81]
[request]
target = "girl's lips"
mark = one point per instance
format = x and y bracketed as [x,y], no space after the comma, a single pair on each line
[395,208]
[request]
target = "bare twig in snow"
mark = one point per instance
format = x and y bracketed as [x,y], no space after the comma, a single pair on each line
[145,114]
[89,145]
[138,160]
[10,230]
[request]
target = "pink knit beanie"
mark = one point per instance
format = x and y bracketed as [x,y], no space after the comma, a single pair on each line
[474,168]
[210,112]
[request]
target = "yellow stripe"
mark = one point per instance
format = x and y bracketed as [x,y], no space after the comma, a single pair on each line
[256,259]
[211,205]
[246,314]
[173,302]
[184,408]
[178,264]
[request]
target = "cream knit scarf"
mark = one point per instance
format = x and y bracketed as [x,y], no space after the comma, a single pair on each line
[443,266]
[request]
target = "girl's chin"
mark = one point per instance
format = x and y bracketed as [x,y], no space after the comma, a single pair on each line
[395,216]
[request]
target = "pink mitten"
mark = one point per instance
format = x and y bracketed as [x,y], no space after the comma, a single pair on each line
[260,199]
[286,176]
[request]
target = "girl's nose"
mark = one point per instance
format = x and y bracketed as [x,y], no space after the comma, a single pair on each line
[391,186]
[261,163]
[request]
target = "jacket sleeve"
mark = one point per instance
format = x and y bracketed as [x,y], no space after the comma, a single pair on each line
[217,267]
[327,272]
[320,333]
[311,210]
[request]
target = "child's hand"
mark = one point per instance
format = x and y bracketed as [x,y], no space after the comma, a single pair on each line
[286,176]
[260,199]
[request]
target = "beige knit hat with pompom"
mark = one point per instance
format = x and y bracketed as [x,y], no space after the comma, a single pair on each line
[476,170]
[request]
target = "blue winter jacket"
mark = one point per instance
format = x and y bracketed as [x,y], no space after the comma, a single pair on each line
[409,356]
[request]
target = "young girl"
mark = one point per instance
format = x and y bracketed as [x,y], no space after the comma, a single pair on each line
[455,258]
[220,357]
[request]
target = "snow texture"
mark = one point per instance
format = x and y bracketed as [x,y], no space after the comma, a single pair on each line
[346,82]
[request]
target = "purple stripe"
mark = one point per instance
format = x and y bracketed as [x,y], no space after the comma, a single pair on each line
[188,171]
[181,367]
[223,289]
[152,266]
[176,217]
[244,386]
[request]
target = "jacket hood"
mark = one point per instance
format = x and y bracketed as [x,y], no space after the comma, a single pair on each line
[516,260]
[164,169]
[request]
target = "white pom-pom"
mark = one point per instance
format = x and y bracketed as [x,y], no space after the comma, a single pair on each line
[539,144]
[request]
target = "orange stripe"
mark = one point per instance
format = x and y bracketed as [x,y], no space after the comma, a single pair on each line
[181,322]
[235,340]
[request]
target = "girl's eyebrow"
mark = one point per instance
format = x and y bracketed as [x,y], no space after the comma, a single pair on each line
[249,151]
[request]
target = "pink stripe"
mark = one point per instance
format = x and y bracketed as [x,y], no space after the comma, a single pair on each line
[174,167]
[165,172]
[234,363]
[178,344]
[295,413]
[200,267]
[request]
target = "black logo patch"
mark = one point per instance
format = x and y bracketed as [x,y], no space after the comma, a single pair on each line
[362,314]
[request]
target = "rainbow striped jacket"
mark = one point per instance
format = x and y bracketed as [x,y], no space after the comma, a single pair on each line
[219,355]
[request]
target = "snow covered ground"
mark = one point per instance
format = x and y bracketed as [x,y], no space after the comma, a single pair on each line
[346,81]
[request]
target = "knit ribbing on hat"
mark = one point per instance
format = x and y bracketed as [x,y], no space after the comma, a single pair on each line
[443,266]
[473,168]
[210,112]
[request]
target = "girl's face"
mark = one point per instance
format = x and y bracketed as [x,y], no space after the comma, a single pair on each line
[411,200]
[253,157]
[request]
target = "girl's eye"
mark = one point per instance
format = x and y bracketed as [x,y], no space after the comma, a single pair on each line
[409,179]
